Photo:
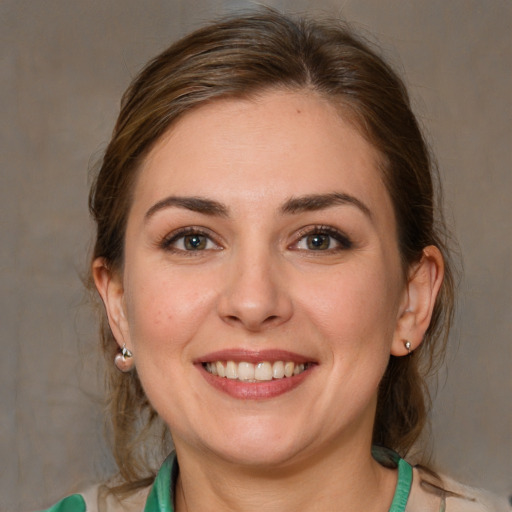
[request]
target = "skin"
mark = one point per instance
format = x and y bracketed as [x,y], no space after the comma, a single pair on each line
[260,284]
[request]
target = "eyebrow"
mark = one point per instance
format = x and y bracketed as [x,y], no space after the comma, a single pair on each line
[195,204]
[294,205]
[314,202]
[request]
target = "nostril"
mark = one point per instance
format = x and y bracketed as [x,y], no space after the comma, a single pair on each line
[254,311]
[252,324]
[235,318]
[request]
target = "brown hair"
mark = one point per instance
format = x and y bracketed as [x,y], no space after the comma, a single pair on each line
[238,57]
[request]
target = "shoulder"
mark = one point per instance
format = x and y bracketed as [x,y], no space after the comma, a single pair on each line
[471,499]
[97,498]
[440,493]
[73,503]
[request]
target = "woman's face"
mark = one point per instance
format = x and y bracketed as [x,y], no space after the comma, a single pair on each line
[262,242]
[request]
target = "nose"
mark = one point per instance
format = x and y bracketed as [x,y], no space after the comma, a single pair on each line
[255,296]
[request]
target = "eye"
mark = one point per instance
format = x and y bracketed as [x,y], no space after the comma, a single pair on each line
[318,242]
[188,240]
[323,239]
[192,243]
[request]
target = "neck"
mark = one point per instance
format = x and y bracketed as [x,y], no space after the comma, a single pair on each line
[342,478]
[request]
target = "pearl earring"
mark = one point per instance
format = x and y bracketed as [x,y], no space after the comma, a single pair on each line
[408,345]
[124,360]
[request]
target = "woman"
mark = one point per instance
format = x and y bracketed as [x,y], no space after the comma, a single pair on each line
[275,281]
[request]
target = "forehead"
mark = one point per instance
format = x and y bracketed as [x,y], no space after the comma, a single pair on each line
[275,145]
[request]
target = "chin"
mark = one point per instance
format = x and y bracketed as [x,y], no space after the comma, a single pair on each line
[263,445]
[263,455]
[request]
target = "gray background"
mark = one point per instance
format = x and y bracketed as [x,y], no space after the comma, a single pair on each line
[64,65]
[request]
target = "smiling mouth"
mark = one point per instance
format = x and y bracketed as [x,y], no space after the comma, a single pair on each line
[263,371]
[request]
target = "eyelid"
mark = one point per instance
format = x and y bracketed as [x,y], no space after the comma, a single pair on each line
[167,241]
[341,238]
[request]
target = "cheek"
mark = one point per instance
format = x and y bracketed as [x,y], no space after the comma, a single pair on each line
[354,300]
[164,310]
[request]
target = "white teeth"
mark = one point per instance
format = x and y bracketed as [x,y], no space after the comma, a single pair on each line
[278,370]
[299,368]
[245,371]
[263,371]
[221,372]
[288,369]
[249,372]
[231,370]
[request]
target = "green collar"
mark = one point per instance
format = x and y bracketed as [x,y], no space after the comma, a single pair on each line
[161,496]
[389,458]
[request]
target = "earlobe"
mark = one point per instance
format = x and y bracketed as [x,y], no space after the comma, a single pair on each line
[110,287]
[424,283]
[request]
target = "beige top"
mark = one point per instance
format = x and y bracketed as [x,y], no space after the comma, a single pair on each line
[425,496]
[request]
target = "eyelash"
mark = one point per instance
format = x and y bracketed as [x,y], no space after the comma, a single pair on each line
[343,241]
[167,242]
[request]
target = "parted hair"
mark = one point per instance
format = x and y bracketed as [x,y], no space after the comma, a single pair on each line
[238,57]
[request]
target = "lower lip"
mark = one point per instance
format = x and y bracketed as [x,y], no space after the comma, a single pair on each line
[255,390]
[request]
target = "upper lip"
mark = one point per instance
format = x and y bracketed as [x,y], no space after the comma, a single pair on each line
[254,356]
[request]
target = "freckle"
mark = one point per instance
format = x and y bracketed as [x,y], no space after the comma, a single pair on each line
[299,111]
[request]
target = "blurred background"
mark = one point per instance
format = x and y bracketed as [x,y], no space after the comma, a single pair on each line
[64,66]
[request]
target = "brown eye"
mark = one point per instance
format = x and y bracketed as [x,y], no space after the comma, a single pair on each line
[318,242]
[323,238]
[188,241]
[194,242]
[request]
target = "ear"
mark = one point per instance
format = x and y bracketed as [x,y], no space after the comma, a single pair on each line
[110,287]
[424,281]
